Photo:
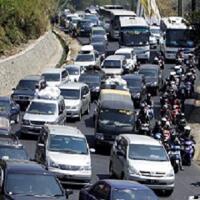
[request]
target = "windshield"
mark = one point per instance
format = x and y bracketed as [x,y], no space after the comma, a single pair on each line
[84,24]
[112,64]
[4,106]
[70,94]
[13,153]
[32,185]
[179,38]
[67,144]
[116,117]
[26,84]
[40,108]
[127,55]
[98,32]
[90,79]
[51,77]
[135,36]
[98,39]
[73,71]
[131,194]
[148,72]
[84,58]
[134,82]
[147,152]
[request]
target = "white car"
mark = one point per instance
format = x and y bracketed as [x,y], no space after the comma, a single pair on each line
[114,65]
[130,55]
[155,36]
[77,99]
[56,76]
[143,159]
[74,72]
[65,152]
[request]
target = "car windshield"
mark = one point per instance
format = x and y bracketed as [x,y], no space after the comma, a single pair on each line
[73,71]
[155,31]
[97,39]
[4,106]
[98,32]
[116,117]
[133,82]
[13,153]
[70,93]
[84,58]
[112,64]
[147,152]
[131,194]
[40,108]
[51,77]
[32,185]
[90,79]
[67,144]
[148,72]
[127,55]
[26,85]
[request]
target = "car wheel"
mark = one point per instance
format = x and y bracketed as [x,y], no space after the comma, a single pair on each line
[17,119]
[168,193]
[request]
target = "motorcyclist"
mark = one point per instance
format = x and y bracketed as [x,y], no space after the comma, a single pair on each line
[142,116]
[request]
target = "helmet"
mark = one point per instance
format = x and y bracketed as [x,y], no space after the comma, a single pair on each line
[190,55]
[187,130]
[148,95]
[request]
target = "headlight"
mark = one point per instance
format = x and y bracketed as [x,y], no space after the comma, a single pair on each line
[86,168]
[99,136]
[53,164]
[132,170]
[171,173]
[25,122]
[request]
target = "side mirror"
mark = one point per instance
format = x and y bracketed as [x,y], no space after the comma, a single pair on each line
[40,145]
[92,150]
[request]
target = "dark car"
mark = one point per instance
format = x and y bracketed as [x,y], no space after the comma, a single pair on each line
[9,109]
[136,85]
[84,27]
[11,148]
[101,48]
[93,79]
[115,190]
[26,180]
[153,77]
[26,89]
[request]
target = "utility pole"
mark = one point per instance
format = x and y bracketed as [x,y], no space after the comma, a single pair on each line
[180,7]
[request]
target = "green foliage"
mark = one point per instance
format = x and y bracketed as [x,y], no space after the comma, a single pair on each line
[21,20]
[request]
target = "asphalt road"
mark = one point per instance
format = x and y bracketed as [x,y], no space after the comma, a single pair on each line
[187,181]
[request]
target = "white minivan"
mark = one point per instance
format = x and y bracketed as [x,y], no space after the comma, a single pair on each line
[142,159]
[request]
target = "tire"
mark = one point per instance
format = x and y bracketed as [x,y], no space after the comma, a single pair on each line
[168,193]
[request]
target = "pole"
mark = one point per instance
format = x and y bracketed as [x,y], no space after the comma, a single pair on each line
[180,8]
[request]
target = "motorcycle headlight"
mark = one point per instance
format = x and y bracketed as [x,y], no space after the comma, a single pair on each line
[137,95]
[170,173]
[154,83]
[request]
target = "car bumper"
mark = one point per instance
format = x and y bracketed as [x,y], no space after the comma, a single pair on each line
[165,183]
[72,177]
[72,113]
[31,130]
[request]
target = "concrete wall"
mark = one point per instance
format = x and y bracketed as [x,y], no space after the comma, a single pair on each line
[44,52]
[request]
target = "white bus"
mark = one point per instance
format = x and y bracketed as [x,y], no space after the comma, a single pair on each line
[176,34]
[135,32]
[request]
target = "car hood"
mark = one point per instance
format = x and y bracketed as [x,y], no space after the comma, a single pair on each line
[151,166]
[69,159]
[40,118]
[85,64]
[53,83]
[19,197]
[24,92]
[72,102]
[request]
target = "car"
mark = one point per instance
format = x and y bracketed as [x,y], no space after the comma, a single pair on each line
[153,77]
[93,18]
[55,76]
[101,48]
[84,27]
[137,87]
[114,65]
[65,152]
[28,180]
[73,25]
[131,57]
[46,108]
[77,99]
[9,108]
[74,72]
[26,89]
[93,79]
[98,39]
[99,31]
[143,159]
[11,148]
[110,189]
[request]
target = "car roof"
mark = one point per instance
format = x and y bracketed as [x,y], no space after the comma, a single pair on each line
[117,92]
[53,70]
[141,139]
[46,100]
[71,66]
[125,184]
[149,66]
[32,77]
[64,130]
[115,57]
[72,85]
[124,50]
[133,76]
[24,166]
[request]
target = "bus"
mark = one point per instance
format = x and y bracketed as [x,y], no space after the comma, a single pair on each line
[112,17]
[135,32]
[176,34]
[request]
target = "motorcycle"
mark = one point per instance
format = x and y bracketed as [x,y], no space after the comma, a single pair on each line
[145,129]
[188,89]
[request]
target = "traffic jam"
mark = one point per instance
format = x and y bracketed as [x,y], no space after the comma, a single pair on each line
[137,108]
